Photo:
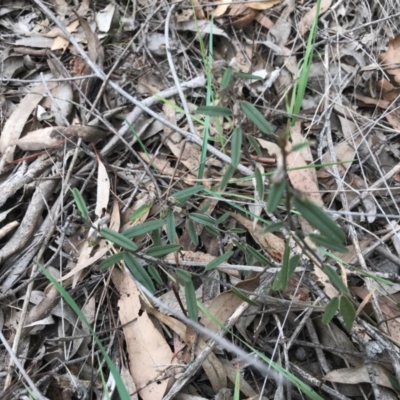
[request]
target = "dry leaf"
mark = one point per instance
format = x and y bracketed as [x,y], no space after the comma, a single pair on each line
[149,353]
[103,189]
[273,244]
[391,59]
[262,5]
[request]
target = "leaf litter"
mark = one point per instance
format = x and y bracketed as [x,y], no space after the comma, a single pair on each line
[215,251]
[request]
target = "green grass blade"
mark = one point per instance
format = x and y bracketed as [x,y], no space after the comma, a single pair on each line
[138,272]
[275,195]
[170,224]
[110,261]
[256,117]
[80,203]
[118,239]
[214,111]
[335,279]
[236,147]
[347,311]
[330,310]
[163,250]
[143,228]
[123,392]
[219,260]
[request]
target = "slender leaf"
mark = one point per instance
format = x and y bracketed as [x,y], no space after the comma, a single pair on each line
[347,311]
[143,228]
[293,263]
[219,260]
[299,146]
[171,233]
[123,392]
[236,147]
[184,195]
[110,261]
[140,212]
[184,275]
[259,183]
[226,78]
[163,250]
[118,239]
[275,195]
[335,279]
[193,233]
[138,272]
[317,217]
[256,117]
[254,144]
[237,292]
[212,231]
[330,310]
[274,227]
[222,218]
[258,256]
[229,171]
[80,203]
[282,277]
[325,242]
[247,76]
[156,238]
[155,274]
[191,301]
[214,111]
[239,245]
[202,219]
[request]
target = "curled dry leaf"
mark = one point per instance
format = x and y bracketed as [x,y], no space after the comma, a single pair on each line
[391,59]
[56,136]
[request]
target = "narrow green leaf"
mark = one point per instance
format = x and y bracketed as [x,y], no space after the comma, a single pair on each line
[219,260]
[191,301]
[347,311]
[335,279]
[193,233]
[394,382]
[282,277]
[118,239]
[184,275]
[330,310]
[239,245]
[222,218]
[317,217]
[238,230]
[254,144]
[274,227]
[242,296]
[259,183]
[123,392]
[275,195]
[143,228]
[236,147]
[138,272]
[256,117]
[247,76]
[299,146]
[140,212]
[154,274]
[226,78]
[184,195]
[212,231]
[258,256]
[80,203]
[110,261]
[202,219]
[325,242]
[293,263]
[163,250]
[171,233]
[214,111]
[156,238]
[229,171]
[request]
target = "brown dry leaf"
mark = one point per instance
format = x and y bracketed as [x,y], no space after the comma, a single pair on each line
[369,100]
[225,304]
[16,122]
[56,136]
[273,244]
[231,373]
[222,8]
[148,351]
[242,16]
[103,189]
[354,376]
[391,59]
[308,19]
[263,5]
[386,90]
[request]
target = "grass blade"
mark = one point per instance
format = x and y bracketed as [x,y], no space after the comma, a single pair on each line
[138,272]
[256,117]
[118,239]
